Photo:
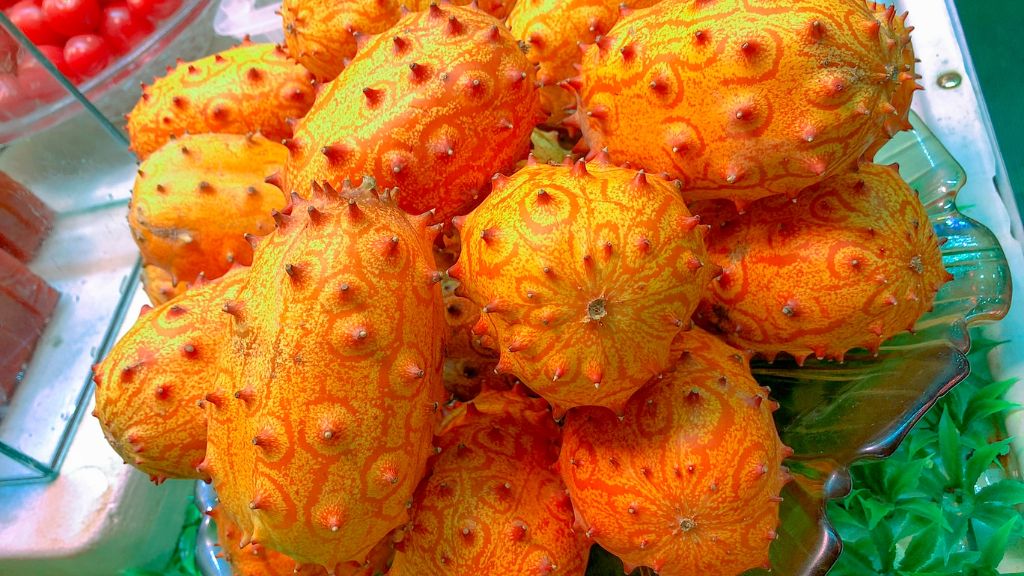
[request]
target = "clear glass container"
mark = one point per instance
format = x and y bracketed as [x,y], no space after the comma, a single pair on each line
[68,148]
[113,92]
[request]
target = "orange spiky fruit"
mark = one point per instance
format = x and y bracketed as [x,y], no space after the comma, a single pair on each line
[898,119]
[746,99]
[328,411]
[195,199]
[853,261]
[688,480]
[492,505]
[149,385]
[247,89]
[554,32]
[159,285]
[323,35]
[457,62]
[497,8]
[258,560]
[585,273]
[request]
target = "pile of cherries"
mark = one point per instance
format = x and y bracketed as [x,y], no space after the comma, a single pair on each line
[80,37]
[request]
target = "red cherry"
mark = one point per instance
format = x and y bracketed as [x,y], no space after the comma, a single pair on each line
[72,17]
[153,9]
[55,54]
[28,17]
[122,29]
[86,55]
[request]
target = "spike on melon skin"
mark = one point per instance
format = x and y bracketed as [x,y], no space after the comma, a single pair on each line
[258,560]
[585,273]
[333,390]
[370,120]
[904,74]
[150,384]
[252,88]
[193,201]
[497,8]
[492,504]
[161,288]
[809,87]
[159,285]
[853,261]
[552,30]
[323,35]
[688,480]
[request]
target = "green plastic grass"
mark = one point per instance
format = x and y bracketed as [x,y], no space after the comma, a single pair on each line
[945,502]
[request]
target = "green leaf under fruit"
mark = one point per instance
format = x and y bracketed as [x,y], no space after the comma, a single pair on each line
[547,147]
[1006,493]
[981,460]
[993,551]
[919,550]
[953,511]
[949,449]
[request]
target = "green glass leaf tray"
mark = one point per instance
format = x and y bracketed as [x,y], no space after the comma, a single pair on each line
[833,414]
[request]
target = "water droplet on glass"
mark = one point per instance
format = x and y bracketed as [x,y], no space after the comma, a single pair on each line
[949,80]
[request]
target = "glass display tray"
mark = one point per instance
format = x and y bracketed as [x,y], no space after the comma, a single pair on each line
[834,414]
[72,153]
[114,91]
[83,171]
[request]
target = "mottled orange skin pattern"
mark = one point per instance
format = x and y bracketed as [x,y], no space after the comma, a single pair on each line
[553,31]
[688,481]
[742,99]
[249,88]
[322,34]
[413,108]
[196,197]
[852,262]
[325,35]
[148,386]
[158,285]
[321,431]
[497,8]
[586,273]
[258,560]
[492,505]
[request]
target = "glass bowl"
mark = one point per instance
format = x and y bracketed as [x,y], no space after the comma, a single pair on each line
[833,414]
[82,169]
[185,34]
